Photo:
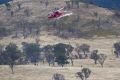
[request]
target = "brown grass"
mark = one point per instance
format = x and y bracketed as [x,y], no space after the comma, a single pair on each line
[30,72]
[110,71]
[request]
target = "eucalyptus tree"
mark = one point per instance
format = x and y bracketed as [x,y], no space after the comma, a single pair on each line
[11,55]
[117,49]
[94,56]
[60,54]
[32,51]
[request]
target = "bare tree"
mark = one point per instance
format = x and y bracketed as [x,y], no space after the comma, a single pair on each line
[102,58]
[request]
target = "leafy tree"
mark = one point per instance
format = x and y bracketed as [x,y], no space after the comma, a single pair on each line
[48,50]
[50,58]
[22,60]
[2,58]
[85,48]
[94,56]
[60,54]
[117,49]
[32,51]
[61,60]
[11,55]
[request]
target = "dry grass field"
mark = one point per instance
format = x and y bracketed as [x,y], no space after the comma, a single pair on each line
[111,70]
[30,72]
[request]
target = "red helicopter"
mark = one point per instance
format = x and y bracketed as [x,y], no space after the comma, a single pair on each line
[57,14]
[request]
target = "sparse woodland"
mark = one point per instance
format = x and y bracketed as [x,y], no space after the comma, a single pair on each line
[55,55]
[20,19]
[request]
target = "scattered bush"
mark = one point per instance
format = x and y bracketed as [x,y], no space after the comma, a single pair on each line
[84,73]
[58,76]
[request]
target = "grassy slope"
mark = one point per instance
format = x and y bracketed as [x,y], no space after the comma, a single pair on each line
[39,11]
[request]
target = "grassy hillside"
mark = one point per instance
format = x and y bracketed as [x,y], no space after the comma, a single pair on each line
[86,19]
